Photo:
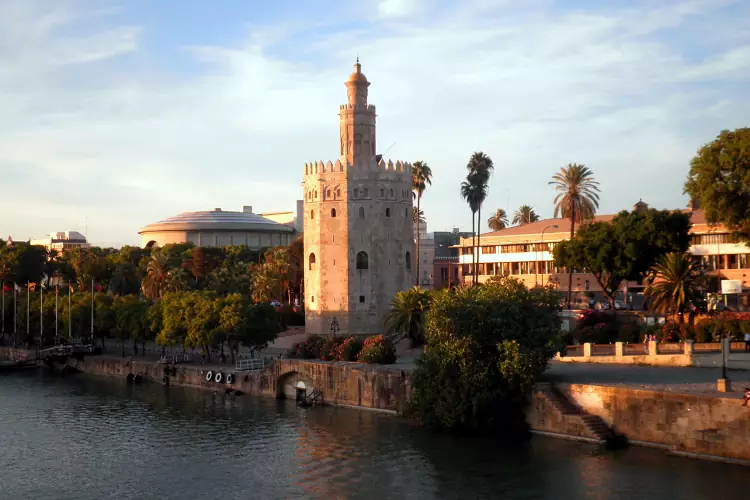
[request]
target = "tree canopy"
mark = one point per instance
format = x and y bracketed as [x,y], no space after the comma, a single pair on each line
[719,180]
[626,248]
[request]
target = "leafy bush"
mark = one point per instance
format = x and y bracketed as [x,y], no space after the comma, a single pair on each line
[349,349]
[377,350]
[597,327]
[308,349]
[629,332]
[485,348]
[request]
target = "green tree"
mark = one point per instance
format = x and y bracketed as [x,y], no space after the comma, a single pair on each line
[273,278]
[676,283]
[486,347]
[406,317]
[525,215]
[498,220]
[23,263]
[718,180]
[417,216]
[626,248]
[577,199]
[252,325]
[421,177]
[480,169]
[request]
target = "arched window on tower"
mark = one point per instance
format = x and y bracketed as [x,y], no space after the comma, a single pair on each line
[366,193]
[408,261]
[328,194]
[316,194]
[311,265]
[382,192]
[333,212]
[355,193]
[362,261]
[387,212]
[361,211]
[390,193]
[312,214]
[338,192]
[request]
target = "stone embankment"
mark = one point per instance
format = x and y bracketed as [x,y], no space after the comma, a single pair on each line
[703,426]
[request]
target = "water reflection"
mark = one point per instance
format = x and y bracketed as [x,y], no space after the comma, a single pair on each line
[97,438]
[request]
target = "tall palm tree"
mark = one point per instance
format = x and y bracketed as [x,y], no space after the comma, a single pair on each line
[417,215]
[525,215]
[577,199]
[498,220]
[676,282]
[157,270]
[421,177]
[407,315]
[473,192]
[480,169]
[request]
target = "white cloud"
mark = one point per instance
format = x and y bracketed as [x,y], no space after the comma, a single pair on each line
[399,8]
[113,137]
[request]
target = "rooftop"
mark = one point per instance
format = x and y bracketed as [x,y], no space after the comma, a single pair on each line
[217,219]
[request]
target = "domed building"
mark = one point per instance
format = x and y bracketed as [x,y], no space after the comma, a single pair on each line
[218,228]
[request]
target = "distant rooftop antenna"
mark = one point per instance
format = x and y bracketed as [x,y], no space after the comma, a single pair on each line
[394,143]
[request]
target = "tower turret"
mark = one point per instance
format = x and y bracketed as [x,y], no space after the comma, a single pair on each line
[357,120]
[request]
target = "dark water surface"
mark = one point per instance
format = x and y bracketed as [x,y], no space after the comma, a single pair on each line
[92,439]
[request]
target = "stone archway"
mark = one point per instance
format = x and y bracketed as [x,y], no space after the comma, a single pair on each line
[293,385]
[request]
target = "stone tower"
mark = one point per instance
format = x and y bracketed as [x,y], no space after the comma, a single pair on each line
[358,226]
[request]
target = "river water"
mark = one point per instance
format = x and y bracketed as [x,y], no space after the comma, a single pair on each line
[90,439]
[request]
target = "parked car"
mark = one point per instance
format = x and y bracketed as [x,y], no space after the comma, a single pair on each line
[620,306]
[275,303]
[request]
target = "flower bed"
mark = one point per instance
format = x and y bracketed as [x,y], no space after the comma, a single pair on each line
[374,350]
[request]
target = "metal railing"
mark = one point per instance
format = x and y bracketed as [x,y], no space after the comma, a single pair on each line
[176,358]
[249,364]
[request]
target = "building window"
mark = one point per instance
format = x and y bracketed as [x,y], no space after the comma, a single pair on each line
[312,299]
[382,193]
[312,214]
[362,261]
[406,212]
[312,262]
[361,211]
[356,191]
[362,299]
[333,212]
[408,261]
[338,192]
[390,193]
[333,238]
[316,194]
[387,212]
[366,192]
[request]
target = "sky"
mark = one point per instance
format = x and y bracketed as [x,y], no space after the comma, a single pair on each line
[116,114]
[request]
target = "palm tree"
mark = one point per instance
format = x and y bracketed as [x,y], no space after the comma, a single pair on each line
[480,168]
[157,271]
[676,282]
[498,220]
[473,192]
[407,315]
[525,215]
[421,176]
[577,199]
[417,215]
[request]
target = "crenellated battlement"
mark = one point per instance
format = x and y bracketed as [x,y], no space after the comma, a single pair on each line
[353,107]
[316,169]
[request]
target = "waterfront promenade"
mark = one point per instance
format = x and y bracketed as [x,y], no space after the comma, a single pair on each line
[679,380]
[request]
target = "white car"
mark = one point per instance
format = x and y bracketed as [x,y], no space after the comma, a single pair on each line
[620,305]
[275,303]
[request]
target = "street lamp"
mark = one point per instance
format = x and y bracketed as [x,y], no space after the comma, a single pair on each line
[554,226]
[334,326]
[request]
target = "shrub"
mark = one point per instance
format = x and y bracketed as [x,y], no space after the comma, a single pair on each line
[485,348]
[629,332]
[349,349]
[308,349]
[377,350]
[597,327]
[290,317]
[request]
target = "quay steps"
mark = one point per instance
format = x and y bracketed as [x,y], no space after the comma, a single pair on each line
[593,425]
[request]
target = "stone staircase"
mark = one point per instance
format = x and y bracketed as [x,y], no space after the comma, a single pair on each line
[591,426]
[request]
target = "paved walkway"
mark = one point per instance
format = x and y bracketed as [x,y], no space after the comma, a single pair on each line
[656,378]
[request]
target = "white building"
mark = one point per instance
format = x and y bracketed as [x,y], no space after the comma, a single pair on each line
[62,241]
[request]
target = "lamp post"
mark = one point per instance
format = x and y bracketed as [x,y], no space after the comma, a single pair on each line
[555,226]
[334,326]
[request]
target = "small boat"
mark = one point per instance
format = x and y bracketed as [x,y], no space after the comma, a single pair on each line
[15,366]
